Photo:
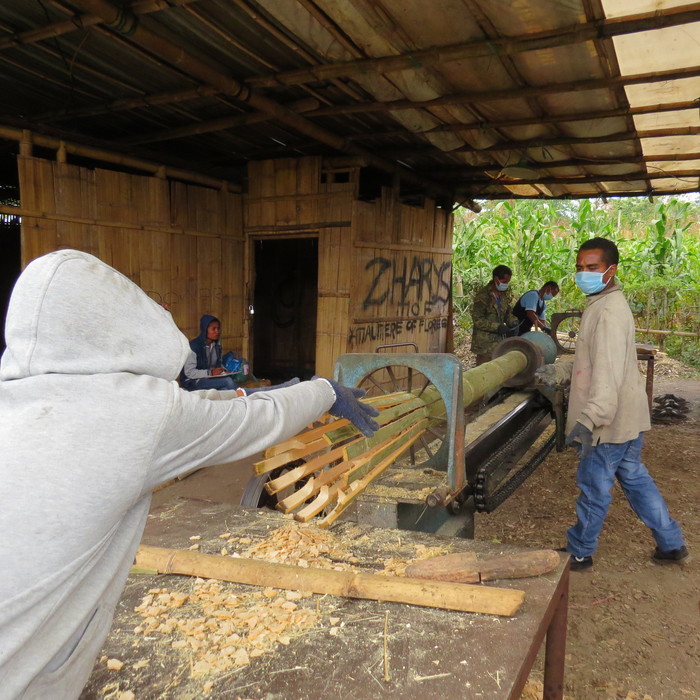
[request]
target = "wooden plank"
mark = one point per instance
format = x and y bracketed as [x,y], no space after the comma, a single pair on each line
[350,584]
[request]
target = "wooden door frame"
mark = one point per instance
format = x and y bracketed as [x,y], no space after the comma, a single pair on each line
[249,280]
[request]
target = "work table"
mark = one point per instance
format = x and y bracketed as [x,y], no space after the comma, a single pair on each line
[355,648]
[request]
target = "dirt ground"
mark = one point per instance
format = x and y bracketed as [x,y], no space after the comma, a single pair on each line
[633,625]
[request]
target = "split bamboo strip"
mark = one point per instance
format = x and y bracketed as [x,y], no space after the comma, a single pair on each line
[357,487]
[314,465]
[305,438]
[312,486]
[267,465]
[462,597]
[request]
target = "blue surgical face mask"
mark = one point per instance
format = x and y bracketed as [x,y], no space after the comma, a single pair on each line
[591,282]
[548,297]
[502,286]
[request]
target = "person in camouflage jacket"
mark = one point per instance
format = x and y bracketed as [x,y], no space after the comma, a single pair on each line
[491,314]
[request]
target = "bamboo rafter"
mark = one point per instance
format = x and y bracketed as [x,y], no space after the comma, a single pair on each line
[512,93]
[145,39]
[535,121]
[500,46]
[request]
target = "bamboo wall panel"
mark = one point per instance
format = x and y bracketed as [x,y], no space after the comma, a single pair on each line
[183,244]
[38,235]
[402,282]
[384,267]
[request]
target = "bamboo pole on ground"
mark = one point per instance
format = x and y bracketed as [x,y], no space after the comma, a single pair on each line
[462,597]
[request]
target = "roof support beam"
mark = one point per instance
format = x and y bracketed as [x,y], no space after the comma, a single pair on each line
[467,170]
[221,124]
[528,144]
[77,22]
[546,119]
[639,176]
[511,93]
[590,31]
[120,19]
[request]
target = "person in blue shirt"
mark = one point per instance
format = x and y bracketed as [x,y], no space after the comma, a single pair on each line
[530,308]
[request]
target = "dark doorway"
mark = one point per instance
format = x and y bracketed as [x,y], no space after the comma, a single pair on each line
[10,245]
[285,302]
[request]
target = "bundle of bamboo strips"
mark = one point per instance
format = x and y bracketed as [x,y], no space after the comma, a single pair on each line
[327,467]
[330,465]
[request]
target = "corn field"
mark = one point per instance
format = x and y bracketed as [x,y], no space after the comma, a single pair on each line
[659,247]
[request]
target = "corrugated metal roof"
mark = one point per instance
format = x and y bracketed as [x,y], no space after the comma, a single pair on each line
[472,98]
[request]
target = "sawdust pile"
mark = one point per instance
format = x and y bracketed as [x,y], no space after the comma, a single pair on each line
[307,546]
[220,629]
[396,566]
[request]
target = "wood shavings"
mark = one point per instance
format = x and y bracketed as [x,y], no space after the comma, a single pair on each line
[126,695]
[307,546]
[115,664]
[220,629]
[396,566]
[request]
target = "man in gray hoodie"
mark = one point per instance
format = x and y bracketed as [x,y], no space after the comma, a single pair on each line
[91,421]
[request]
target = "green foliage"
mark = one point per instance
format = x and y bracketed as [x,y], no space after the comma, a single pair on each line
[659,255]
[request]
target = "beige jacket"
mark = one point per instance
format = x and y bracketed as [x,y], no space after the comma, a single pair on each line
[607,391]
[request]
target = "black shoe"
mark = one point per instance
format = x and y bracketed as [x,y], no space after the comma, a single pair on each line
[675,556]
[577,563]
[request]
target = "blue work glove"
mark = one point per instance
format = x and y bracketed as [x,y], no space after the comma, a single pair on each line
[347,406]
[581,434]
[252,390]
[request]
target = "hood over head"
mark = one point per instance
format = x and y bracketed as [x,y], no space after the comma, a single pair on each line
[204,324]
[70,313]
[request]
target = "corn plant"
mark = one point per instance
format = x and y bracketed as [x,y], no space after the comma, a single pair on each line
[659,247]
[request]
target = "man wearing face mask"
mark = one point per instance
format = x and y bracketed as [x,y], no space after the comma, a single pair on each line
[491,314]
[530,308]
[608,414]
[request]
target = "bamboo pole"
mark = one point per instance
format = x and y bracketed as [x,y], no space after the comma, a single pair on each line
[50,216]
[466,171]
[575,140]
[536,121]
[221,124]
[512,93]
[79,22]
[100,154]
[502,193]
[462,597]
[686,334]
[499,46]
[146,39]
[537,179]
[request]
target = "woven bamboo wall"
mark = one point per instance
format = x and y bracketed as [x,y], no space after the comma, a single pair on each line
[183,244]
[402,282]
[384,267]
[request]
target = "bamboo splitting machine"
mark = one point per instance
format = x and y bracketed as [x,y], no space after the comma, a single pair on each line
[451,442]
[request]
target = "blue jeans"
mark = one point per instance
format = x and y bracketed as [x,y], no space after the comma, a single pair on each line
[218,383]
[595,478]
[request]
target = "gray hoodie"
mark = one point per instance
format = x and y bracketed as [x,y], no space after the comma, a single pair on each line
[91,420]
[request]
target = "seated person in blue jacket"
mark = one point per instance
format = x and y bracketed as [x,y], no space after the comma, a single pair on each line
[203,368]
[530,308]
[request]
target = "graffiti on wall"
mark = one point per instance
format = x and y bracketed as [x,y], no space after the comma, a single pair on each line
[413,285]
[386,332]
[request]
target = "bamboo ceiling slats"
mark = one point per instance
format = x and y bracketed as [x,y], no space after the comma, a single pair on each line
[440,83]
